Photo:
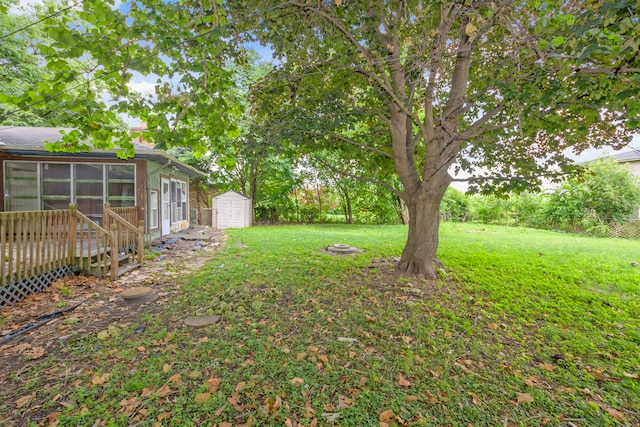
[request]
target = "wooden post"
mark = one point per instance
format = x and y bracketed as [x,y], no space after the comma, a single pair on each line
[105,215]
[140,241]
[73,231]
[3,250]
[114,252]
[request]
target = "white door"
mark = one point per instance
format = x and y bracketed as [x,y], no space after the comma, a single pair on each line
[237,213]
[224,213]
[165,203]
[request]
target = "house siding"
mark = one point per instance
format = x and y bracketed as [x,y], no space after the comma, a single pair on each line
[154,172]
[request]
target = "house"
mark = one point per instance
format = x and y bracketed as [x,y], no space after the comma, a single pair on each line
[62,213]
[153,182]
[630,158]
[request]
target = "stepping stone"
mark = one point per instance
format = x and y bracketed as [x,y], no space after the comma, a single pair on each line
[200,321]
[138,295]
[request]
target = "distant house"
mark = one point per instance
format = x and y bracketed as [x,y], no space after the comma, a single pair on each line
[32,179]
[630,158]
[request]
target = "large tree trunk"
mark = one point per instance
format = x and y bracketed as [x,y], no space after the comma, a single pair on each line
[419,256]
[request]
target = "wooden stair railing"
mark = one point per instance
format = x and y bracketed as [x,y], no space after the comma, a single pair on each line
[89,244]
[127,240]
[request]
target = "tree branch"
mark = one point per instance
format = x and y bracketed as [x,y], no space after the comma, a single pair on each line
[349,141]
[360,178]
[511,178]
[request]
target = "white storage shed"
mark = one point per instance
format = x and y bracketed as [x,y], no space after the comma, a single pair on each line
[231,210]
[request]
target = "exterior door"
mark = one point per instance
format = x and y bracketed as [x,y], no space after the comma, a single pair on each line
[165,203]
[224,213]
[237,213]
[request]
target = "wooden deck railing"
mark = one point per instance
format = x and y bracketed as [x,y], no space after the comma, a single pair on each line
[125,237]
[36,242]
[33,243]
[129,213]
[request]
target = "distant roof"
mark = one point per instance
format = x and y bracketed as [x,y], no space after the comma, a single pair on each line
[628,156]
[31,141]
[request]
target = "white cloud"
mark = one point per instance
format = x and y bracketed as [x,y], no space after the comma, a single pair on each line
[25,7]
[143,87]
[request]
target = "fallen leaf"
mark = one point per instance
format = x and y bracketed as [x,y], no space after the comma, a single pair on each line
[474,398]
[202,397]
[628,375]
[432,398]
[548,367]
[323,358]
[240,386]
[35,353]
[234,400]
[434,373]
[524,398]
[387,416]
[309,411]
[24,400]
[166,368]
[344,402]
[331,416]
[99,379]
[213,384]
[164,416]
[164,391]
[619,416]
[532,381]
[403,382]
[411,398]
[338,2]
[493,326]
[147,392]
[297,382]
[225,424]
[175,379]
[301,356]
[273,404]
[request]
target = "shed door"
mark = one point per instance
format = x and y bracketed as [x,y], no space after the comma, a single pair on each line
[237,213]
[224,213]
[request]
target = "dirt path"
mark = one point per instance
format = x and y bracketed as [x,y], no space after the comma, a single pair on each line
[101,303]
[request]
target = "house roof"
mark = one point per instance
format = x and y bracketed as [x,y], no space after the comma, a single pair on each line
[628,156]
[31,141]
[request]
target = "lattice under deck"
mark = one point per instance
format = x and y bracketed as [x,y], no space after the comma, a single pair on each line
[18,291]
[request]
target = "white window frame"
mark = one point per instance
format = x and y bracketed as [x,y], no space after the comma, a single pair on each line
[72,180]
[154,210]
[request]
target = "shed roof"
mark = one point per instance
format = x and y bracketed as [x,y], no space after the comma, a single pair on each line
[231,193]
[30,141]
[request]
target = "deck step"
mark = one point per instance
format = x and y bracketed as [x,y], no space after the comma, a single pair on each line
[125,268]
[121,258]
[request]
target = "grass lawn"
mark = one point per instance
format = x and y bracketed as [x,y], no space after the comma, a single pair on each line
[526,328]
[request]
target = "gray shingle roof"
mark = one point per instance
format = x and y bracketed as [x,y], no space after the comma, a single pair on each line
[31,140]
[628,156]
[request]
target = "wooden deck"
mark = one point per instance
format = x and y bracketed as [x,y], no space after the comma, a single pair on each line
[35,244]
